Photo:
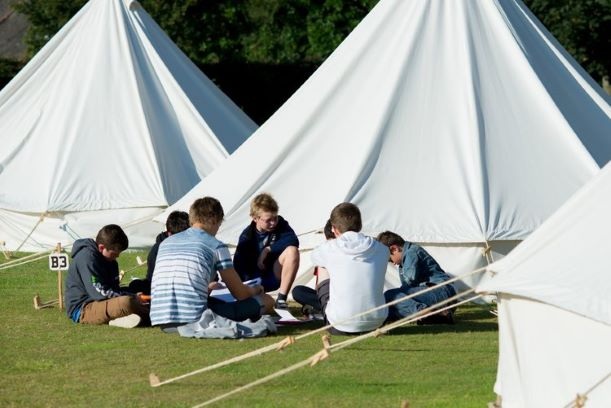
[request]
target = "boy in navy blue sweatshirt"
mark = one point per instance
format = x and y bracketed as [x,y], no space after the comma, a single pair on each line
[268,249]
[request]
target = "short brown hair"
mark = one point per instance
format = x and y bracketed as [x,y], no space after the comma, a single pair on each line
[263,202]
[389,238]
[206,210]
[346,217]
[176,222]
[112,237]
[328,231]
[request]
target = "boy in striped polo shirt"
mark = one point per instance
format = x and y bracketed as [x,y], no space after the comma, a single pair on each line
[186,266]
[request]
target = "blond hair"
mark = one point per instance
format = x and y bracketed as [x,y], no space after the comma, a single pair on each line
[263,202]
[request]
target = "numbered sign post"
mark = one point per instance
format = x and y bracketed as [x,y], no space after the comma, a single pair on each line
[58,261]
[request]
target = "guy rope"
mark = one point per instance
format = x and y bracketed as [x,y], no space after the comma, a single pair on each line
[154,380]
[327,348]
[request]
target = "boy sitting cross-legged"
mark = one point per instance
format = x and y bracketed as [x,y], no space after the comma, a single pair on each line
[186,266]
[307,296]
[93,294]
[351,273]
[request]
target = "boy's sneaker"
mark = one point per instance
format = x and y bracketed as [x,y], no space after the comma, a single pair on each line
[127,322]
[308,310]
[281,304]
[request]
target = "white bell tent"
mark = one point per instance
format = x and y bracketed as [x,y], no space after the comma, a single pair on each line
[109,123]
[461,125]
[554,306]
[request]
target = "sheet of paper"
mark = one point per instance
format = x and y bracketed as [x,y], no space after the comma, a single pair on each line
[226,296]
[287,318]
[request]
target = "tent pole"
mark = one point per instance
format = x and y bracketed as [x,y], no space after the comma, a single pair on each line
[6,252]
[487,252]
[41,219]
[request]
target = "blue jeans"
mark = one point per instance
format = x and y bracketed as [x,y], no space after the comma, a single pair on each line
[417,303]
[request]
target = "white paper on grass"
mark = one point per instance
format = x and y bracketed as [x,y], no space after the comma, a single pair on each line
[286,317]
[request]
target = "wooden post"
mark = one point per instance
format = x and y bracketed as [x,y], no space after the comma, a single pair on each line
[60,291]
[60,282]
[6,253]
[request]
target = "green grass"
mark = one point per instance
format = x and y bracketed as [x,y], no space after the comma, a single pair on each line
[48,361]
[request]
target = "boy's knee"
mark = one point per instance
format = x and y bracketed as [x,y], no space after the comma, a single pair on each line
[125,302]
[268,304]
[289,255]
[130,304]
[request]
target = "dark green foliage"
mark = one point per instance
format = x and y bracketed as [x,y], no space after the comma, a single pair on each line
[254,31]
[46,18]
[300,30]
[257,51]
[252,47]
[8,69]
[207,31]
[583,27]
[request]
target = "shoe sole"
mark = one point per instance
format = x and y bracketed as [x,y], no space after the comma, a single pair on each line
[126,322]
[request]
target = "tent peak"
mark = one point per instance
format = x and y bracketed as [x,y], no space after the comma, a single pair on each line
[133,5]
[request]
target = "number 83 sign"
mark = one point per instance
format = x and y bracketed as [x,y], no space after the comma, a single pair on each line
[58,262]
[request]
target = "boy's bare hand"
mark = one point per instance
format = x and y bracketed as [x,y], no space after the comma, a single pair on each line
[215,285]
[257,290]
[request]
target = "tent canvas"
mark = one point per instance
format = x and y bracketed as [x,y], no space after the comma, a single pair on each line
[457,124]
[555,308]
[109,122]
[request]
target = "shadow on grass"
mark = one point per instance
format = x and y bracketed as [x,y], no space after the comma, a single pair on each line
[469,318]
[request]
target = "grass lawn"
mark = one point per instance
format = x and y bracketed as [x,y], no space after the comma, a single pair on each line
[48,361]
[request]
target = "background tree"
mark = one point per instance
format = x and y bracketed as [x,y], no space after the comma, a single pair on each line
[46,17]
[260,51]
[583,27]
[207,31]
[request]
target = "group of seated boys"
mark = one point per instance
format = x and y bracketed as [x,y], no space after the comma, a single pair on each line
[187,262]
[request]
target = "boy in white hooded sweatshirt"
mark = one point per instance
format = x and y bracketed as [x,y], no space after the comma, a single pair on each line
[351,274]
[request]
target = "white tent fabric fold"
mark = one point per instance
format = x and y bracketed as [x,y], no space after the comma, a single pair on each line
[555,308]
[110,114]
[457,124]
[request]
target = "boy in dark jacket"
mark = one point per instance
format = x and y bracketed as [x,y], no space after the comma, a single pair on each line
[93,295]
[307,296]
[268,248]
[177,221]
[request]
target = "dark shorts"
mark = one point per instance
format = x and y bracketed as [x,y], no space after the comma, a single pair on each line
[239,310]
[306,296]
[268,279]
